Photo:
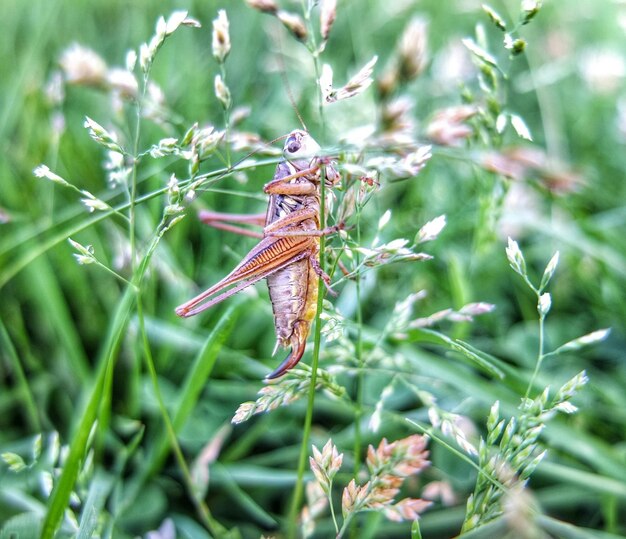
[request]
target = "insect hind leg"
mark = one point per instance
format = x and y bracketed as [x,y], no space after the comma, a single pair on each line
[329,230]
[222,221]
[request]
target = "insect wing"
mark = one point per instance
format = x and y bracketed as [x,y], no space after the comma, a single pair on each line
[268,256]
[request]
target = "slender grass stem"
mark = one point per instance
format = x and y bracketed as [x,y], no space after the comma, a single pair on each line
[226,119]
[112,272]
[133,177]
[308,420]
[60,496]
[320,101]
[332,507]
[482,474]
[360,380]
[313,49]
[304,447]
[359,357]
[540,355]
[211,524]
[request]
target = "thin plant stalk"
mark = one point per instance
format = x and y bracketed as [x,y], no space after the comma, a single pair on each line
[312,46]
[211,524]
[226,120]
[358,414]
[308,420]
[112,272]
[60,496]
[332,506]
[540,354]
[133,181]
[320,100]
[360,379]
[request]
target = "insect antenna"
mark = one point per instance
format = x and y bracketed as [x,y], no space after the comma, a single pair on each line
[283,75]
[254,152]
[234,165]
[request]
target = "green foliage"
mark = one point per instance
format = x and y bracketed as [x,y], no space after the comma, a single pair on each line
[474,146]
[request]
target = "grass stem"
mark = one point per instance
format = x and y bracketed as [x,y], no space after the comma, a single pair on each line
[211,524]
[540,355]
[308,420]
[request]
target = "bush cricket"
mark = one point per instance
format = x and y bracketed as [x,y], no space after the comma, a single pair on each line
[288,252]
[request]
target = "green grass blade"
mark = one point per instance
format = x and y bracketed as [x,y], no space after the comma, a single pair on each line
[194,383]
[583,479]
[22,525]
[244,500]
[482,360]
[63,488]
[22,382]
[46,290]
[98,492]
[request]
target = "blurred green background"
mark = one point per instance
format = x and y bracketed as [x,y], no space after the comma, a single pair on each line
[570,88]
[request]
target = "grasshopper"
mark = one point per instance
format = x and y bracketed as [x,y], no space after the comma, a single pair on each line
[287,255]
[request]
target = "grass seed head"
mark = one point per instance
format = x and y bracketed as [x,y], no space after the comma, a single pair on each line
[85,254]
[356,85]
[42,171]
[222,92]
[325,464]
[494,416]
[396,115]
[317,501]
[102,136]
[519,509]
[543,304]
[265,6]
[328,12]
[389,464]
[399,168]
[81,65]
[92,203]
[406,509]
[448,126]
[530,8]
[294,24]
[122,81]
[441,490]
[221,37]
[431,230]
[591,338]
[549,271]
[515,257]
[54,89]
[412,50]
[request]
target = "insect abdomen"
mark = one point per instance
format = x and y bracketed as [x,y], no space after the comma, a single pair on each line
[293,293]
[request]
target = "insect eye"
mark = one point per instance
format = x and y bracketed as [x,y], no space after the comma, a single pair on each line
[293,145]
